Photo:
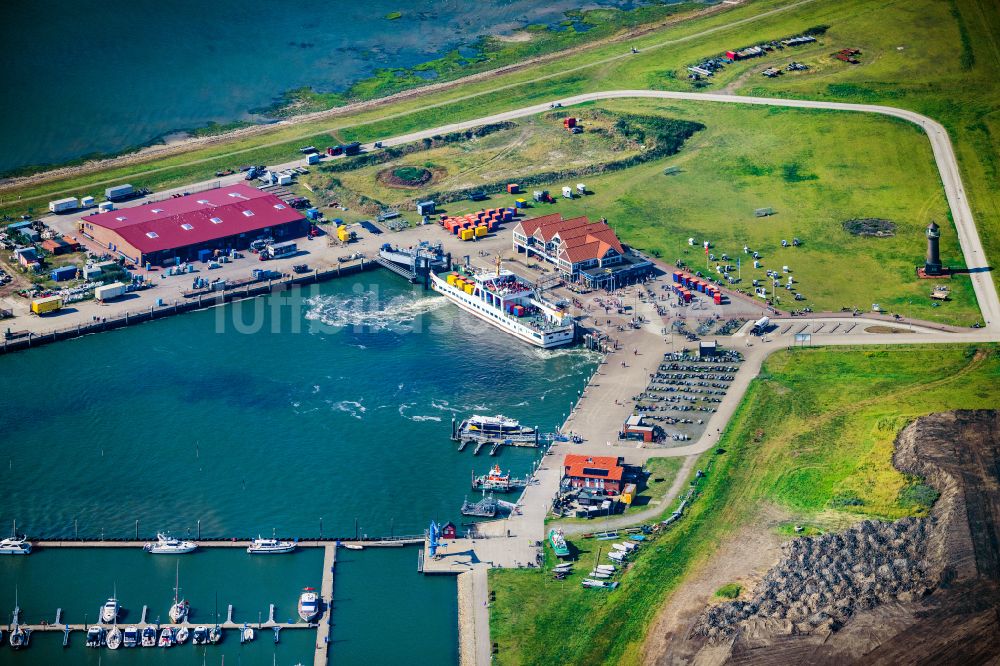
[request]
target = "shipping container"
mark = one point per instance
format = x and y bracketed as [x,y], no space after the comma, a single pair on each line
[63,273]
[352,148]
[105,206]
[467,234]
[118,192]
[86,202]
[481,230]
[47,304]
[469,288]
[718,298]
[109,291]
[63,205]
[313,159]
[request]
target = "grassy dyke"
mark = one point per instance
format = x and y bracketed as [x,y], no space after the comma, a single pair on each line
[816,423]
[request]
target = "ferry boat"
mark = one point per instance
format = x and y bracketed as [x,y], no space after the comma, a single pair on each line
[558,542]
[148,636]
[131,636]
[308,605]
[272,546]
[497,428]
[508,302]
[14,545]
[95,636]
[168,545]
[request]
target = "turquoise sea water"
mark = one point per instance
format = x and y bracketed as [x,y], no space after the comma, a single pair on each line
[83,76]
[332,404]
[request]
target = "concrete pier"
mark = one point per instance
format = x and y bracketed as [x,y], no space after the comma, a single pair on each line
[326,598]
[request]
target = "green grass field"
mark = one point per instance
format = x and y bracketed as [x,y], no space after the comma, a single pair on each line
[813,436]
[816,169]
[949,68]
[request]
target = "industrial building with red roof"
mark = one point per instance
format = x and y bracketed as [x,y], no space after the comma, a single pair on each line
[603,473]
[582,250]
[164,232]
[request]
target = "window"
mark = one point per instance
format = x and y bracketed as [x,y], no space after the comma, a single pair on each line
[203,201]
[121,218]
[216,220]
[279,206]
[186,227]
[157,210]
[152,234]
[248,213]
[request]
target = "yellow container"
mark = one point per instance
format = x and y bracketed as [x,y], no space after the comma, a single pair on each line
[481,230]
[460,283]
[343,234]
[48,304]
[468,234]
[469,288]
[452,279]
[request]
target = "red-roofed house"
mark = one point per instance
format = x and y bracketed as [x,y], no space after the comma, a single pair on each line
[602,473]
[581,249]
[221,219]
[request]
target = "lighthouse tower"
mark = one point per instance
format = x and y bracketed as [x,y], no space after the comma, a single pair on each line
[933,264]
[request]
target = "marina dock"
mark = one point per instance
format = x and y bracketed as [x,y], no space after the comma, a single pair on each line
[326,598]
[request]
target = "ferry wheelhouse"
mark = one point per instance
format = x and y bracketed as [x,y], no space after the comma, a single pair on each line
[510,303]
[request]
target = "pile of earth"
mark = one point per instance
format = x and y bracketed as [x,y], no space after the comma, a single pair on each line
[870,226]
[910,591]
[407,177]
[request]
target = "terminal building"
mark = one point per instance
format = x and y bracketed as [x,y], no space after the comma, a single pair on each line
[184,228]
[601,474]
[583,251]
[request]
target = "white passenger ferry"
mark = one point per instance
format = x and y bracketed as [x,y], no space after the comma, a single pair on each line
[508,302]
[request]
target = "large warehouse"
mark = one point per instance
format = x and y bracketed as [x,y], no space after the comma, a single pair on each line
[164,231]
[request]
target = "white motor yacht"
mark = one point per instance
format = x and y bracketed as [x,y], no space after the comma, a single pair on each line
[131,636]
[109,611]
[272,546]
[308,605]
[168,545]
[95,636]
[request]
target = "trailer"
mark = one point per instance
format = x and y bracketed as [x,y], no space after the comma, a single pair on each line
[285,249]
[109,291]
[42,306]
[63,205]
[118,192]
[567,192]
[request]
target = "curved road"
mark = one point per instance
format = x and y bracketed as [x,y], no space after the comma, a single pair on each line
[944,157]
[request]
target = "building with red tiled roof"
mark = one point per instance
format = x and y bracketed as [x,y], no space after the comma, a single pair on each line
[602,473]
[225,218]
[581,249]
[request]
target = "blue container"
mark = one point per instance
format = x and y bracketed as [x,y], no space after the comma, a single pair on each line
[204,255]
[63,273]
[313,213]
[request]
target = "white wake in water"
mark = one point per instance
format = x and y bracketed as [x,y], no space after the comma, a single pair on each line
[368,310]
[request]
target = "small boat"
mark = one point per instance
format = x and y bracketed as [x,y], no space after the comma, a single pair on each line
[95,636]
[114,638]
[199,636]
[215,635]
[558,542]
[179,610]
[562,567]
[148,637]
[181,636]
[168,545]
[109,611]
[610,568]
[19,637]
[606,536]
[599,574]
[617,556]
[271,546]
[607,585]
[353,546]
[14,545]
[131,637]
[308,605]
[619,547]
[166,637]
[638,537]
[246,634]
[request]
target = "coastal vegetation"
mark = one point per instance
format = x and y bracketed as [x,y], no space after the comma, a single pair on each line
[874,170]
[818,424]
[923,72]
